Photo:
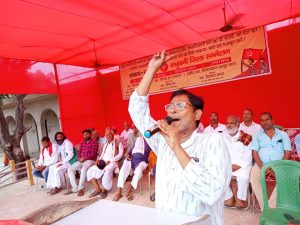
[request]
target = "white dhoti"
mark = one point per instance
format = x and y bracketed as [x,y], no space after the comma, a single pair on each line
[126,170]
[107,174]
[55,175]
[242,185]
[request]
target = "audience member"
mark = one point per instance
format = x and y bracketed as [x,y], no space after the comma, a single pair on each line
[136,162]
[111,153]
[87,156]
[268,144]
[56,171]
[214,125]
[237,142]
[48,156]
[136,133]
[127,137]
[248,125]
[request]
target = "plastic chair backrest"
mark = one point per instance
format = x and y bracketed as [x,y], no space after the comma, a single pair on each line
[287,175]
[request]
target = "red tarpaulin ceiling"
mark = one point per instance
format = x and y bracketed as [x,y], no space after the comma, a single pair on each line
[69,32]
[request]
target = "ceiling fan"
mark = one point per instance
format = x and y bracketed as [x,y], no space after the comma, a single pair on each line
[229,24]
[96,63]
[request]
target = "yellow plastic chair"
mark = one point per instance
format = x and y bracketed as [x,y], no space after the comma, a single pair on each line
[287,209]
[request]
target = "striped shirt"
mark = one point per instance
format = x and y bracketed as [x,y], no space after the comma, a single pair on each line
[200,187]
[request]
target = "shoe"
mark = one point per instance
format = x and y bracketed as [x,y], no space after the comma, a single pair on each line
[80,193]
[229,202]
[94,194]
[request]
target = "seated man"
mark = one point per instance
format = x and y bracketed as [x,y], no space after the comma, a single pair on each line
[87,156]
[111,153]
[241,158]
[56,171]
[136,160]
[268,144]
[48,156]
[214,125]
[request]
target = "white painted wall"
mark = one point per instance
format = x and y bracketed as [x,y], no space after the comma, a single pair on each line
[38,108]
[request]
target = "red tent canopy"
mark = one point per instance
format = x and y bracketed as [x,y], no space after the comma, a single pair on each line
[104,33]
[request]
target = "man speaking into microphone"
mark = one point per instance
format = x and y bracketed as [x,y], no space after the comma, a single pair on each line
[193,169]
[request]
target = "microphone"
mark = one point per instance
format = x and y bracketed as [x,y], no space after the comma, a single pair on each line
[153,130]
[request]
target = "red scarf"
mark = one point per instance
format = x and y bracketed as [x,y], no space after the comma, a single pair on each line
[50,150]
[245,138]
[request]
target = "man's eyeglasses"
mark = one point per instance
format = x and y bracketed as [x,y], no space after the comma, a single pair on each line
[178,106]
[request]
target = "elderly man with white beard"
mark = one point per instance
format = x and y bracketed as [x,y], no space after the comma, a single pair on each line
[241,157]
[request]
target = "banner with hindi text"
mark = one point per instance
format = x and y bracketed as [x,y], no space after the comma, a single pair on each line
[238,55]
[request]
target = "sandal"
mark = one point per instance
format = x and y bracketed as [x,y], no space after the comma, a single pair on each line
[50,191]
[80,193]
[55,191]
[94,194]
[130,197]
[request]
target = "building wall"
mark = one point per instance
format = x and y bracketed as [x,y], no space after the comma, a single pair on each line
[37,109]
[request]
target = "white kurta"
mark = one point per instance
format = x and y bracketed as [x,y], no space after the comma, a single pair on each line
[240,155]
[220,129]
[126,168]
[66,153]
[127,138]
[108,154]
[48,160]
[252,129]
[199,188]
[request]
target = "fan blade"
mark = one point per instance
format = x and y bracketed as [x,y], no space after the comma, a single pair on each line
[234,19]
[209,31]
[238,27]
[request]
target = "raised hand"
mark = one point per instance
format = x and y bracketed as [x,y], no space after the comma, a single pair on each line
[158,60]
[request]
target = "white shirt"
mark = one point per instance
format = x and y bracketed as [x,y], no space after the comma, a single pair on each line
[240,154]
[200,128]
[127,138]
[108,152]
[48,160]
[200,187]
[252,129]
[220,129]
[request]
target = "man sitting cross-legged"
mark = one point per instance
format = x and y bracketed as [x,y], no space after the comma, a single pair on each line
[136,160]
[111,153]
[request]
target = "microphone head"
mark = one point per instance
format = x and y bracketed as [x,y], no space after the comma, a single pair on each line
[147,134]
[169,119]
